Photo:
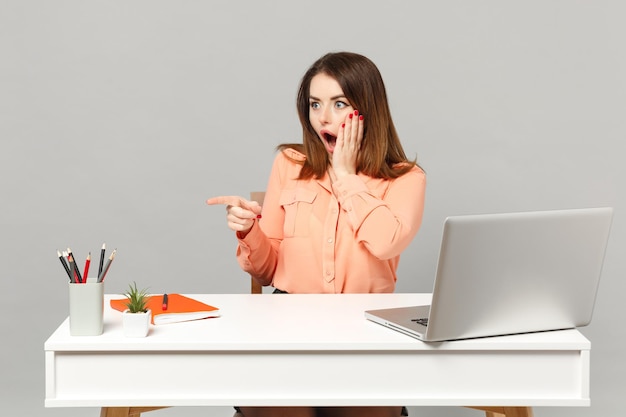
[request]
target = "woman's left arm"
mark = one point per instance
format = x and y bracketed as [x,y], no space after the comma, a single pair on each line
[385,226]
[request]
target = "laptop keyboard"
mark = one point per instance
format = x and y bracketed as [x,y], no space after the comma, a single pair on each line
[423,321]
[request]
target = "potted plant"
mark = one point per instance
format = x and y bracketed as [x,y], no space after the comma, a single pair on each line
[136,319]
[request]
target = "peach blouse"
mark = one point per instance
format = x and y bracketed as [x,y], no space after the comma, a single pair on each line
[344,237]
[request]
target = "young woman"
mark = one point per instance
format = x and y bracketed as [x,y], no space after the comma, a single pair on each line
[340,207]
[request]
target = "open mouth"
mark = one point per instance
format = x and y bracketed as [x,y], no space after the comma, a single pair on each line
[329,140]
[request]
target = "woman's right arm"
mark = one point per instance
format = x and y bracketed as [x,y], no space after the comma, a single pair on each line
[257,252]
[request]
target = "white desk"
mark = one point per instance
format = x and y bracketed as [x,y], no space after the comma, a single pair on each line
[311,350]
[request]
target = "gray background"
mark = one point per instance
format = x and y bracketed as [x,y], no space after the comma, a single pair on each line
[119,118]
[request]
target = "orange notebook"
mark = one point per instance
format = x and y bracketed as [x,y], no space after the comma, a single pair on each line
[179,308]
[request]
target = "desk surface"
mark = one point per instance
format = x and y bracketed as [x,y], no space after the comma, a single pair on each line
[310,350]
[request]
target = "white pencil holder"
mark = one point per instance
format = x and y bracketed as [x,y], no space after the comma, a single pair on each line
[86,308]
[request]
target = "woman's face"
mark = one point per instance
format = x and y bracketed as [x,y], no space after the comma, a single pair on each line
[328,109]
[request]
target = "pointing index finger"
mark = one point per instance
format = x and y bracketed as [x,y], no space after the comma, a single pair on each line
[231,200]
[235,201]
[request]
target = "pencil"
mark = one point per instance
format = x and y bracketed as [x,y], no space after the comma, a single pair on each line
[108,265]
[67,258]
[73,268]
[78,277]
[87,263]
[102,251]
[64,263]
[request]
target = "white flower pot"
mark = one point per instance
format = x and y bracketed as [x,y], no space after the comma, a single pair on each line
[136,324]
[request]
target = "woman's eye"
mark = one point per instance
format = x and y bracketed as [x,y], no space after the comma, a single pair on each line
[314,105]
[341,105]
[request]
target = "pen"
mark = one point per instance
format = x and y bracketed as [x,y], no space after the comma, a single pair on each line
[64,263]
[102,251]
[87,263]
[107,266]
[164,305]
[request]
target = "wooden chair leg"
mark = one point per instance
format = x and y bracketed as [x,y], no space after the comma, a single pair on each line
[115,412]
[126,411]
[506,411]
[136,411]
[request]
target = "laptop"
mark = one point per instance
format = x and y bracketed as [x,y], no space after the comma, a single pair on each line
[501,274]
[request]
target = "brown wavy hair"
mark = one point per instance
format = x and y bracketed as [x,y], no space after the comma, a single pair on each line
[381,154]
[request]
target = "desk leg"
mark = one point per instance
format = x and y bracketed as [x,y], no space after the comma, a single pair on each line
[126,411]
[506,411]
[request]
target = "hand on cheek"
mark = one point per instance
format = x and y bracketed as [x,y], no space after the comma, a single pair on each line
[349,140]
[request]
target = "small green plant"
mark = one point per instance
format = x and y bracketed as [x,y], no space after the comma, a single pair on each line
[137,299]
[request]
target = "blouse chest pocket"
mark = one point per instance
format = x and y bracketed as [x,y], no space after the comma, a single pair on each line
[298,206]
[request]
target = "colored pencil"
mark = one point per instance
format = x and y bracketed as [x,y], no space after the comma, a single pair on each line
[87,263]
[107,266]
[102,251]
[67,258]
[78,277]
[65,266]
[73,268]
